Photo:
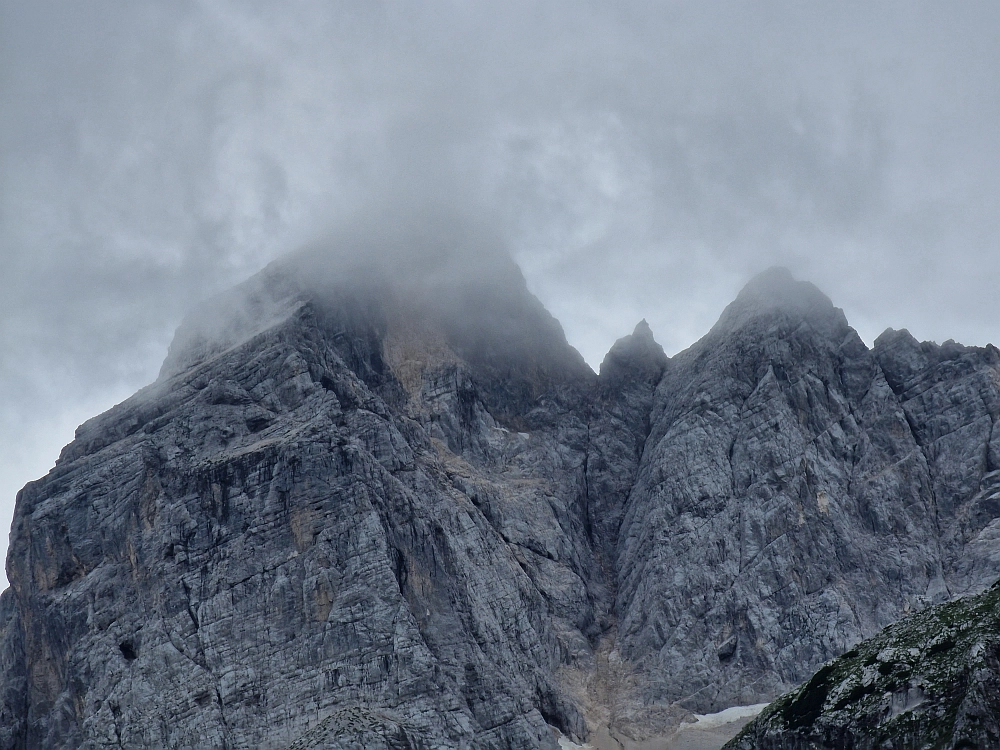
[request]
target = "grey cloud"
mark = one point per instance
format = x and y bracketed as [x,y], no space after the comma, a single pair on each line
[640,159]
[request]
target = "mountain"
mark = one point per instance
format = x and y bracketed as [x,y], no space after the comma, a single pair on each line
[799,492]
[391,507]
[930,680]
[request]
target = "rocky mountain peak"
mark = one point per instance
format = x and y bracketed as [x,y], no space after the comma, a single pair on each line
[412,311]
[391,505]
[635,354]
[775,294]
[642,330]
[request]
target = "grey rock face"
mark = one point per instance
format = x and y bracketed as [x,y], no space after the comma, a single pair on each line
[619,426]
[317,514]
[389,511]
[789,502]
[931,680]
[950,396]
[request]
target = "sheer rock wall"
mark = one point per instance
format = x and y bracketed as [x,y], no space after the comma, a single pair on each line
[363,511]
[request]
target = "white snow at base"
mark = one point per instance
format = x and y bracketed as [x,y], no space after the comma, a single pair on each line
[731,714]
[702,722]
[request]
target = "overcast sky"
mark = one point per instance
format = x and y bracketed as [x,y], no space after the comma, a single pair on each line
[640,159]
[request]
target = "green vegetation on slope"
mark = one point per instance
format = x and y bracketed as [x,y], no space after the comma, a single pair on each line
[931,681]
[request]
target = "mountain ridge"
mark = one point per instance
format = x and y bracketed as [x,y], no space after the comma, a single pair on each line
[929,680]
[416,498]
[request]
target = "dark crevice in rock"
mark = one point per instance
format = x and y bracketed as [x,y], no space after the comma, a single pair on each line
[128,650]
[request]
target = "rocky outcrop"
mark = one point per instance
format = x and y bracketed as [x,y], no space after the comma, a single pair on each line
[931,680]
[619,426]
[389,509]
[791,499]
[783,509]
[950,395]
[357,504]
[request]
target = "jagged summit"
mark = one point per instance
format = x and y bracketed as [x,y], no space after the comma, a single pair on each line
[637,352]
[776,292]
[430,308]
[642,330]
[393,505]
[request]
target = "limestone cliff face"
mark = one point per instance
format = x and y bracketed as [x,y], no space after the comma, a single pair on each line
[929,681]
[799,492]
[369,501]
[950,395]
[783,507]
[396,511]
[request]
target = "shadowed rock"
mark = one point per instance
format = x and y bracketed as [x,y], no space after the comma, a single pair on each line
[931,680]
[399,491]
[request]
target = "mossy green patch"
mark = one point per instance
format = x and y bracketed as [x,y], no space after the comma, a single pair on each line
[905,687]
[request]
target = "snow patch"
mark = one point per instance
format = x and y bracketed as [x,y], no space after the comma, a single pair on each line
[728,716]
[567,744]
[716,726]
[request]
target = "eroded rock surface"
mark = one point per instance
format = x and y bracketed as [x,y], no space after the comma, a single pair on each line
[929,681]
[395,511]
[793,499]
[783,509]
[367,501]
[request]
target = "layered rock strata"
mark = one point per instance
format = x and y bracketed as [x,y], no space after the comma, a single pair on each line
[400,511]
[799,492]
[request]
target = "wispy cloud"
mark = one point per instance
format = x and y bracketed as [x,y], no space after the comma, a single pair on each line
[640,159]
